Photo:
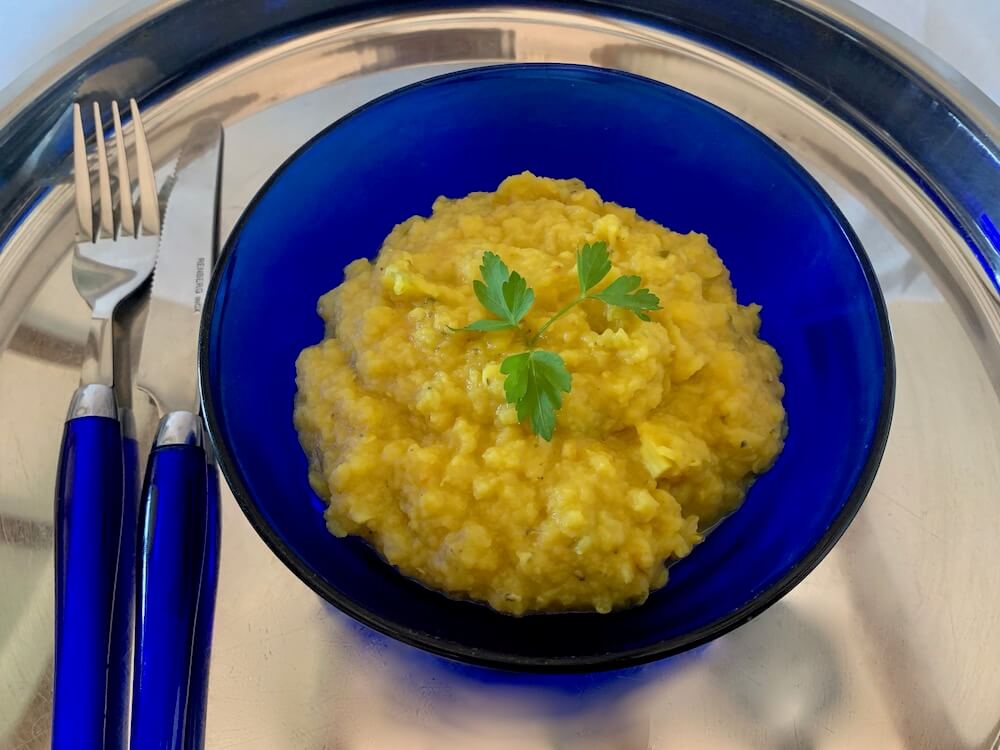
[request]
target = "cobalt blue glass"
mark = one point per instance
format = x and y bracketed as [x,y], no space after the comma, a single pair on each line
[675,159]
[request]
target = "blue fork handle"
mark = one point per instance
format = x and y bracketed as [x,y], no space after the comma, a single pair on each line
[88,514]
[122,612]
[194,732]
[171,549]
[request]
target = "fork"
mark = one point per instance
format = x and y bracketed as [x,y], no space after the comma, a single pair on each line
[95,491]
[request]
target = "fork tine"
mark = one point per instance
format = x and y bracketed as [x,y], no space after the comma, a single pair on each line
[149,202]
[105,206]
[81,178]
[126,210]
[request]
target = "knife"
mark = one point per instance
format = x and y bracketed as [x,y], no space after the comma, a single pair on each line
[175,580]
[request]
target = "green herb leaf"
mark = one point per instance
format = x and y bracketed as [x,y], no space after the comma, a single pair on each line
[535,383]
[490,294]
[486,325]
[517,297]
[592,265]
[494,271]
[624,292]
[504,294]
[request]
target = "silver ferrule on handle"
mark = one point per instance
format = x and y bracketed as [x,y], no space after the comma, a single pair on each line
[93,400]
[179,428]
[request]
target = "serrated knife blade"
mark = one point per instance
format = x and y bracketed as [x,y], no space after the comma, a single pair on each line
[188,243]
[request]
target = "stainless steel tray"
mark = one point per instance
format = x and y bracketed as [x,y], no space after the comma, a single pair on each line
[889,643]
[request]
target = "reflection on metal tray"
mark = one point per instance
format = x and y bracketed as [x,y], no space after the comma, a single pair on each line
[887,644]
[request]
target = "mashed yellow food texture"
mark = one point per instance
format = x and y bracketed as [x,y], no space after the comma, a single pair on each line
[410,440]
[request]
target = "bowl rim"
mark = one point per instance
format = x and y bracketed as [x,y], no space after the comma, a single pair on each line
[564,664]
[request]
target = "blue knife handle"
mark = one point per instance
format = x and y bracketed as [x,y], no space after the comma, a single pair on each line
[198,698]
[171,546]
[88,515]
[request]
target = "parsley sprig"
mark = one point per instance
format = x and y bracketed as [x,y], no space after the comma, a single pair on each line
[503,293]
[592,264]
[536,379]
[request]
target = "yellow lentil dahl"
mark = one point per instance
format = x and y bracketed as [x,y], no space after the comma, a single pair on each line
[412,445]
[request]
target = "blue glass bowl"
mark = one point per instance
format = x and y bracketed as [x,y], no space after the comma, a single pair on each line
[674,158]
